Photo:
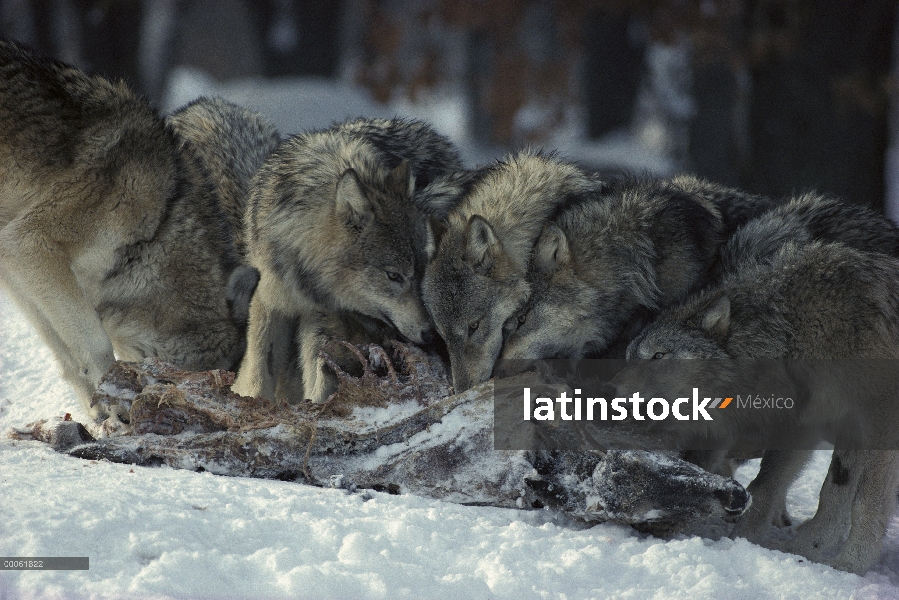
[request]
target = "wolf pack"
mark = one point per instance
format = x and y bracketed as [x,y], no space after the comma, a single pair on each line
[206,240]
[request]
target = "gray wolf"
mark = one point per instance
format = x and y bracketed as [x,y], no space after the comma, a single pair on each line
[807,218]
[476,278]
[737,207]
[112,240]
[232,142]
[602,268]
[811,300]
[336,228]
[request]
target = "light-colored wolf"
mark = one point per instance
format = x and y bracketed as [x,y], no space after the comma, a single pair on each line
[232,142]
[804,301]
[336,228]
[112,240]
[478,258]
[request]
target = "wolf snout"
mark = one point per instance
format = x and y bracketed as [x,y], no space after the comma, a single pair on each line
[418,336]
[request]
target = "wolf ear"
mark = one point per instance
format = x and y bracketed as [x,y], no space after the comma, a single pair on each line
[481,246]
[402,179]
[716,319]
[434,230]
[551,251]
[351,202]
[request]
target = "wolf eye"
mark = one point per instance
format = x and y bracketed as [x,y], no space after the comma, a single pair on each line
[659,355]
[394,276]
[522,318]
[473,326]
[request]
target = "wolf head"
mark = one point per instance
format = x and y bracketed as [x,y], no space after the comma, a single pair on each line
[568,314]
[471,287]
[698,329]
[698,332]
[378,272]
[605,265]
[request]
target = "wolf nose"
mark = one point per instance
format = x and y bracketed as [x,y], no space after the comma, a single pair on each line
[735,499]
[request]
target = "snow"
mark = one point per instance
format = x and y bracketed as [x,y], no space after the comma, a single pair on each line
[164,533]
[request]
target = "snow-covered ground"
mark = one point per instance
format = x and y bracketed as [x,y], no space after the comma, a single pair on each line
[163,533]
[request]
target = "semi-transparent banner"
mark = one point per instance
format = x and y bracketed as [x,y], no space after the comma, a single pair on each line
[730,405]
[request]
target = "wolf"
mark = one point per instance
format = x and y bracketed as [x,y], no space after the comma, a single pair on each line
[601,272]
[476,276]
[112,240]
[600,269]
[336,226]
[805,300]
[737,207]
[806,218]
[232,142]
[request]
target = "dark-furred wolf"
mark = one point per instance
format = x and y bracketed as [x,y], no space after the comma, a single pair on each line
[336,226]
[807,300]
[112,240]
[602,268]
[232,142]
[476,278]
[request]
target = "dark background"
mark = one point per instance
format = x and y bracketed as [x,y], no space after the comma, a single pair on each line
[775,96]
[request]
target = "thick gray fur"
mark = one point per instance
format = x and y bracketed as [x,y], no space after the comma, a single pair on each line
[603,267]
[112,239]
[233,142]
[476,278]
[336,226]
[812,300]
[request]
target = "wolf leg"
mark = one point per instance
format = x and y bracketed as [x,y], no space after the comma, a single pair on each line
[874,504]
[769,488]
[315,329]
[270,334]
[39,279]
[826,528]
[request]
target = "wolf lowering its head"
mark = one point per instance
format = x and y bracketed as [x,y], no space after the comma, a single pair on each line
[112,237]
[476,280]
[335,226]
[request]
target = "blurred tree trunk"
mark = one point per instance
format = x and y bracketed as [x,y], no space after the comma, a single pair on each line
[818,111]
[800,101]
[613,61]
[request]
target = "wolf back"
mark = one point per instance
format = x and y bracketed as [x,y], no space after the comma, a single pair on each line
[232,142]
[336,227]
[112,241]
[807,218]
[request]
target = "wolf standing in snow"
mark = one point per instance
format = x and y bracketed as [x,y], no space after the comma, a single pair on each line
[112,240]
[336,231]
[478,258]
[806,300]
